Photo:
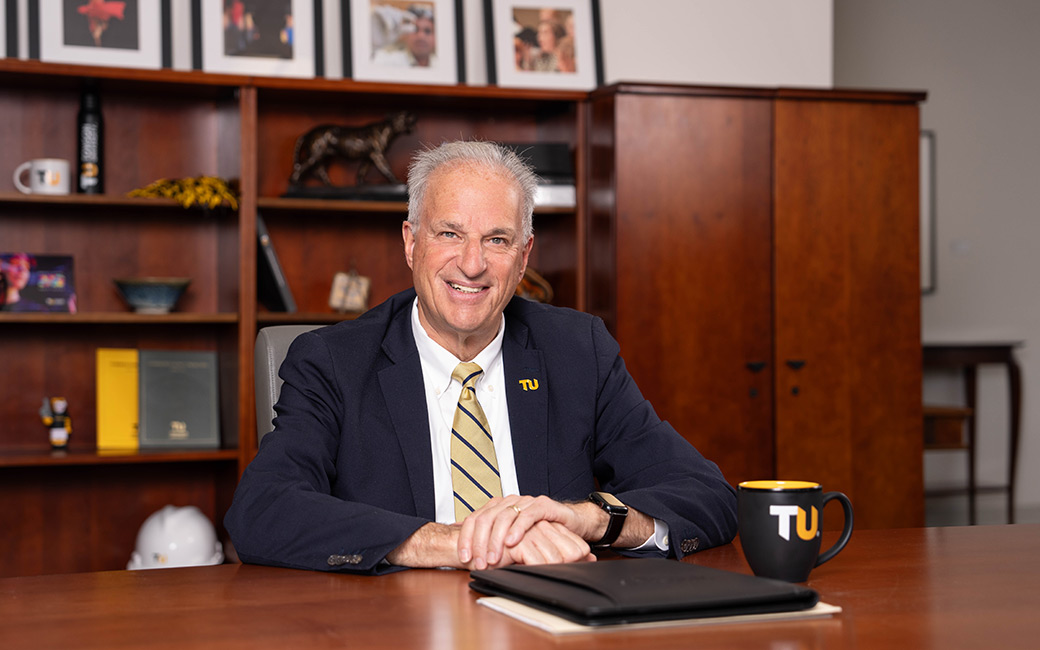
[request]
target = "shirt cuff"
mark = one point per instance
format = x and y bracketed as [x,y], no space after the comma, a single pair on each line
[658,541]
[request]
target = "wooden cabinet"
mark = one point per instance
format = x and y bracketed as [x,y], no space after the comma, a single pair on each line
[80,510]
[762,247]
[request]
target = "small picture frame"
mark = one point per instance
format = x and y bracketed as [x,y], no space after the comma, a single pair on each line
[37,283]
[350,292]
[552,44]
[269,38]
[127,34]
[404,41]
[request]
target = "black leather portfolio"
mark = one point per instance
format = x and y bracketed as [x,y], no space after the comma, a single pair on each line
[639,590]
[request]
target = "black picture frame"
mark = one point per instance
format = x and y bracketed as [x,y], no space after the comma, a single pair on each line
[10,31]
[138,38]
[362,48]
[576,21]
[301,56]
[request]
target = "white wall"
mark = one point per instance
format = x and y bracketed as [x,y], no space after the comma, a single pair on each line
[978,62]
[712,42]
[718,42]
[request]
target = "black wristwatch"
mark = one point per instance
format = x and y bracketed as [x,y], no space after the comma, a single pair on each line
[617,511]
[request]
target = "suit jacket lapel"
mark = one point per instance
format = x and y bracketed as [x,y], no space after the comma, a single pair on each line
[528,398]
[403,391]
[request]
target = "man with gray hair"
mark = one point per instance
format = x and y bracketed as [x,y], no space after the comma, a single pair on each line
[456,425]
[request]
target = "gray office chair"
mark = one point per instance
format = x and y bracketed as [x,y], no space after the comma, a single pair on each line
[271,345]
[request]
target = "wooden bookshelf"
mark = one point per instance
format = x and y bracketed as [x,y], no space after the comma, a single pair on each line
[173,124]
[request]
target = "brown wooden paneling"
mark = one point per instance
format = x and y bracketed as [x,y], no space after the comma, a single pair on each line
[599,246]
[693,269]
[86,518]
[847,304]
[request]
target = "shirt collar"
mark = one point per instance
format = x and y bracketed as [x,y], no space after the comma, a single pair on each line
[438,363]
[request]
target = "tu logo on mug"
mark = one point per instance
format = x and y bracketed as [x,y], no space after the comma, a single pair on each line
[784,514]
[51,178]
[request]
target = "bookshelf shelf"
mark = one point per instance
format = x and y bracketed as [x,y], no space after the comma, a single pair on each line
[331,205]
[279,318]
[46,458]
[120,202]
[119,318]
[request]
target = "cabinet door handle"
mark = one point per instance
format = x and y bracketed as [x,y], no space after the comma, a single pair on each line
[756,366]
[795,364]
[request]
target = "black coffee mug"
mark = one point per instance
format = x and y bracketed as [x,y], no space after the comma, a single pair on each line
[779,524]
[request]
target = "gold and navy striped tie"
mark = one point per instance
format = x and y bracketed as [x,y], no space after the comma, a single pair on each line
[474,468]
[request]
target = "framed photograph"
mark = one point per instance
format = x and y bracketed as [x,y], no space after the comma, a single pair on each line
[547,44]
[126,34]
[927,212]
[8,28]
[30,282]
[404,41]
[271,38]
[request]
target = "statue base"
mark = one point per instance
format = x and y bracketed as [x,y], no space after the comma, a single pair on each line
[387,192]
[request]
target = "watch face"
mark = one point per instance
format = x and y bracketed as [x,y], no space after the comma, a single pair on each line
[608,499]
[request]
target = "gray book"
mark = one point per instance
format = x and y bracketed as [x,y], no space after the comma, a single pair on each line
[178,399]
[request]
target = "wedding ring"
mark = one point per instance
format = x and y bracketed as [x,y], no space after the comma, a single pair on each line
[515,508]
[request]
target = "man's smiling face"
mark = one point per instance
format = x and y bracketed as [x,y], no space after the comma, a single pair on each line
[467,256]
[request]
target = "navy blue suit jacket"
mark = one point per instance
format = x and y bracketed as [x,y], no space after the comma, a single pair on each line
[347,474]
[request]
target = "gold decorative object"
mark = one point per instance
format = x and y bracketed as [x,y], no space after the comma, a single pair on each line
[534,287]
[201,191]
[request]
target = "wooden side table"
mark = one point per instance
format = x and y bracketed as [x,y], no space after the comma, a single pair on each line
[969,356]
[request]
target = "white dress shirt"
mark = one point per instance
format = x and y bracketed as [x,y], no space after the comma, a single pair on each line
[442,398]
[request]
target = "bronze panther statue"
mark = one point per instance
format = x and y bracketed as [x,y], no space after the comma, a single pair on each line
[317,147]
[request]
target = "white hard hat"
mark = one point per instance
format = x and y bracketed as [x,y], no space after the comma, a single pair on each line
[176,537]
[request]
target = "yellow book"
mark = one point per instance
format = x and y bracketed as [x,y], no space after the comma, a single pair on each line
[117,408]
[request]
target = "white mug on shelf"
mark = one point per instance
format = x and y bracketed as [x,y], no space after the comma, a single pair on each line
[46,176]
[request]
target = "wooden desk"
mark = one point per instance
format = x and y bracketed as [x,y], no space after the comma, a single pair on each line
[968,587]
[968,357]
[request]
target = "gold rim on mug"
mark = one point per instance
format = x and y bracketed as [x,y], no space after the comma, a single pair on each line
[779,486]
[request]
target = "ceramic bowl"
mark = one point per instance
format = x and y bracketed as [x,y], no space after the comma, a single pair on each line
[152,295]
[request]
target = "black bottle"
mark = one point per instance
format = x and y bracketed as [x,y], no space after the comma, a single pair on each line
[90,131]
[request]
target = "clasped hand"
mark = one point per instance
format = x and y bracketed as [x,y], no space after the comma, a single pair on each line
[523,530]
